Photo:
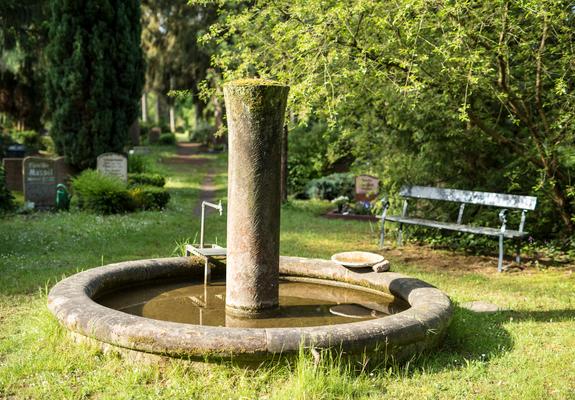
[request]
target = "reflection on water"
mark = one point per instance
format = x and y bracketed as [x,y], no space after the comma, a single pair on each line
[301,304]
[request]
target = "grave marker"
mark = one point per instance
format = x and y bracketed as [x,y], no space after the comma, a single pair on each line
[113,164]
[41,175]
[366,187]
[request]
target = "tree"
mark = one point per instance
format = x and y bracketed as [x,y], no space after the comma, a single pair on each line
[95,76]
[175,58]
[476,93]
[23,36]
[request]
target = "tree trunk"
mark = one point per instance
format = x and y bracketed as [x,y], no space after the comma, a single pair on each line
[144,107]
[172,109]
[158,109]
[563,205]
[172,119]
[135,133]
[199,113]
[284,164]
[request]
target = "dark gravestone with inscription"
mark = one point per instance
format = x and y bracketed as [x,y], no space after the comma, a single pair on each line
[366,187]
[41,175]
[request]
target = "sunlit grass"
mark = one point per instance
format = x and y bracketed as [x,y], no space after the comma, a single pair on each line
[524,353]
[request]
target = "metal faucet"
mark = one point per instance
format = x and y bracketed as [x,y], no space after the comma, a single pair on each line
[214,206]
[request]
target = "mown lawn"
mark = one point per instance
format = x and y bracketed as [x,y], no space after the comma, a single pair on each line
[526,353]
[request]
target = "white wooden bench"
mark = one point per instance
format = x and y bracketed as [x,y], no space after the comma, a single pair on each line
[504,201]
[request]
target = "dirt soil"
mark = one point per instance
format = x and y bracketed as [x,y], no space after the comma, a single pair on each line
[429,259]
[189,154]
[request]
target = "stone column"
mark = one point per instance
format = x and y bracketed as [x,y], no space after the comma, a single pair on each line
[255,112]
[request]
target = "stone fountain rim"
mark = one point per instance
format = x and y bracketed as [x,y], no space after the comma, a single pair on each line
[418,328]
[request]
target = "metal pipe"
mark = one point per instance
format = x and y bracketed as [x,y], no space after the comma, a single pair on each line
[212,205]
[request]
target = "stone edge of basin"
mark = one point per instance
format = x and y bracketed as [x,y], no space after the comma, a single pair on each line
[419,328]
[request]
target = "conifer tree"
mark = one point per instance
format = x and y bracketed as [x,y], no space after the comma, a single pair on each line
[95,76]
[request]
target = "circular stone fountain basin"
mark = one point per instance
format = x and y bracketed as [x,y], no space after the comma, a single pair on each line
[76,300]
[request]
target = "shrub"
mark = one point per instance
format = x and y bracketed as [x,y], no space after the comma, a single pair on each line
[167,139]
[136,179]
[47,144]
[331,186]
[6,198]
[31,139]
[202,134]
[314,151]
[102,194]
[149,197]
[138,164]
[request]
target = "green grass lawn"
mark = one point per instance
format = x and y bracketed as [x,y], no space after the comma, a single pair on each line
[526,353]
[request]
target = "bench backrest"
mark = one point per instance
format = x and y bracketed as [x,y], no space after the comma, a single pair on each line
[470,197]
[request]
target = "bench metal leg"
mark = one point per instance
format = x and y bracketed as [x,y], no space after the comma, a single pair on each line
[207,273]
[500,262]
[400,235]
[382,236]
[518,255]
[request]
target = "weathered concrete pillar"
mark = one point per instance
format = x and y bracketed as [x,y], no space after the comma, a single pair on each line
[255,111]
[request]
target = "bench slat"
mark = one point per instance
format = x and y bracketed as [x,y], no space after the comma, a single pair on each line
[455,227]
[470,197]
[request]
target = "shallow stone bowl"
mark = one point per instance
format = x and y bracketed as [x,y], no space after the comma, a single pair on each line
[357,259]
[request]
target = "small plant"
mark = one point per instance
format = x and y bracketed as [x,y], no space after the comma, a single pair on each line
[137,179]
[341,202]
[362,208]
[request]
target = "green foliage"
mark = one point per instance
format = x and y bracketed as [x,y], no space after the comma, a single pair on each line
[23,36]
[204,134]
[135,179]
[310,154]
[6,198]
[31,139]
[109,195]
[362,208]
[139,164]
[149,197]
[102,194]
[331,186]
[469,95]
[47,144]
[167,139]
[94,76]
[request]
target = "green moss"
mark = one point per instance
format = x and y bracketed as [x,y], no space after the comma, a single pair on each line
[254,82]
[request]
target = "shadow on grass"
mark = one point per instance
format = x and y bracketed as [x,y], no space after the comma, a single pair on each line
[476,337]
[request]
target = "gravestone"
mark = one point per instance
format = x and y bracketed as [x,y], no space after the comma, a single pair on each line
[140,150]
[41,175]
[113,164]
[154,135]
[13,174]
[366,187]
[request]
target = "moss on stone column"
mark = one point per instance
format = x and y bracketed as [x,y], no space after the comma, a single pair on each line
[255,112]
